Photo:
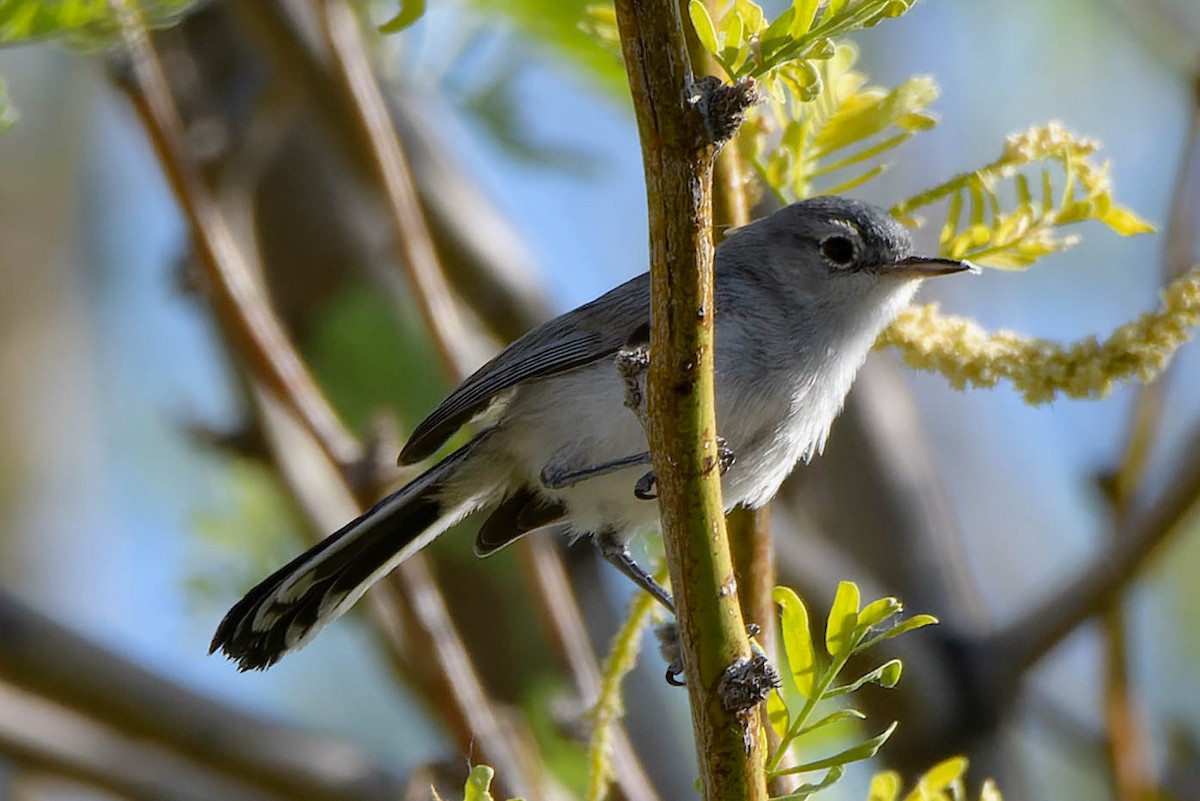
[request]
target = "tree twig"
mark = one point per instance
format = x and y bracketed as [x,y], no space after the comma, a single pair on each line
[678,153]
[1019,644]
[428,287]
[1128,750]
[377,132]
[236,297]
[45,658]
[484,258]
[42,735]
[246,316]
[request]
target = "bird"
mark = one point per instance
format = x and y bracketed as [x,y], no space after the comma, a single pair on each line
[800,297]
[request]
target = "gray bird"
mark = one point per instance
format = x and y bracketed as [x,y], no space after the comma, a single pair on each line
[801,295]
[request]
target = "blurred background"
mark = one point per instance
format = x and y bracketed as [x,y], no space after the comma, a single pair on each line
[137,502]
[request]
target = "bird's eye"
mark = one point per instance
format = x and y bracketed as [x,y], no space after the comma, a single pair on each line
[838,250]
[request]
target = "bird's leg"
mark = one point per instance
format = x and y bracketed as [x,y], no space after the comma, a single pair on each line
[644,488]
[616,552]
[556,475]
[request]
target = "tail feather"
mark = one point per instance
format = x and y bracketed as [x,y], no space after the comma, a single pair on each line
[287,609]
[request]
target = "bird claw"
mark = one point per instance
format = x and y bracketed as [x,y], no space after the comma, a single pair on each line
[643,490]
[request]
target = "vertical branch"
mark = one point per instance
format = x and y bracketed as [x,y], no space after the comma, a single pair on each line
[236,297]
[414,245]
[678,152]
[415,250]
[249,322]
[1128,750]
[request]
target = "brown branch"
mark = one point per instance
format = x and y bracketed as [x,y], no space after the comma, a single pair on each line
[43,736]
[678,154]
[248,320]
[377,133]
[1012,650]
[434,298]
[42,657]
[484,258]
[555,597]
[236,297]
[1128,751]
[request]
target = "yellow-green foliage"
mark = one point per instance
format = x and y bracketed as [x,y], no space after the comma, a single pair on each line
[622,658]
[942,782]
[849,630]
[478,786]
[962,351]
[793,140]
[989,235]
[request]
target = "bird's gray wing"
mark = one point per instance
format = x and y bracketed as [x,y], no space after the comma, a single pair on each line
[590,332]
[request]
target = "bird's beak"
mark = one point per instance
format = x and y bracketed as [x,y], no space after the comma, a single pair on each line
[928,267]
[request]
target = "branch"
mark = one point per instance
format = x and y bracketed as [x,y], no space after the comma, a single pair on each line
[47,737]
[1128,751]
[42,657]
[486,260]
[414,246]
[416,252]
[236,297]
[678,152]
[1021,643]
[249,321]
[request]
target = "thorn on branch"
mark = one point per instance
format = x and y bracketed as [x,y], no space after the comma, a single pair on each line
[746,683]
[723,106]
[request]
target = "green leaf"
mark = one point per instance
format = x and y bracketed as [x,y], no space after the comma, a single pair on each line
[938,778]
[1125,222]
[805,790]
[886,675]
[843,620]
[805,12]
[703,25]
[904,626]
[777,713]
[832,718]
[735,33]
[797,641]
[876,612]
[751,14]
[410,12]
[856,181]
[776,34]
[84,22]
[478,783]
[862,751]
[989,791]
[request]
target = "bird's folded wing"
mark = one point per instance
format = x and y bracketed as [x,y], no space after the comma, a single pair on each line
[579,337]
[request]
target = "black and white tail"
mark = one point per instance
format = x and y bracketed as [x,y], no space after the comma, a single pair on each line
[290,606]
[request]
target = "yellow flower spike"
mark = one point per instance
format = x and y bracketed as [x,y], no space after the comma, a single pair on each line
[962,351]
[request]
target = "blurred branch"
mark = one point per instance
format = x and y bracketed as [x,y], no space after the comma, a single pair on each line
[1128,751]
[42,657]
[1012,650]
[53,739]
[555,597]
[236,297]
[377,134]
[247,318]
[487,263]
[416,252]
